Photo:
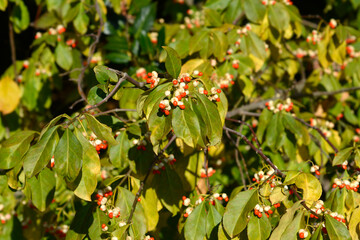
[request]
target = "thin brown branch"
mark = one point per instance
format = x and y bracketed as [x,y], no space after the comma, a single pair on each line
[236,153]
[321,93]
[146,177]
[249,126]
[13,49]
[140,85]
[319,131]
[268,161]
[115,110]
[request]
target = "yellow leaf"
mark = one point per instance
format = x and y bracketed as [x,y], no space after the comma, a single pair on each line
[9,95]
[311,187]
[354,224]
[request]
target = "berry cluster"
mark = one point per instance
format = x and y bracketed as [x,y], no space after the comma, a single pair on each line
[224,81]
[154,37]
[149,238]
[195,19]
[160,165]
[315,169]
[318,208]
[259,210]
[211,200]
[141,73]
[269,178]
[59,232]
[267,2]
[102,199]
[4,217]
[287,2]
[303,233]
[356,138]
[243,31]
[280,106]
[153,79]
[97,143]
[338,217]
[210,172]
[323,125]
[315,37]
[354,185]
[141,144]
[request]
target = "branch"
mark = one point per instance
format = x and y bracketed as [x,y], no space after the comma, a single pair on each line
[255,105]
[146,177]
[250,127]
[321,93]
[261,154]
[238,18]
[114,111]
[319,131]
[140,85]
[91,52]
[267,160]
[236,153]
[12,47]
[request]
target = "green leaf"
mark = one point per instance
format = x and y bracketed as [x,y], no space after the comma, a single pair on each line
[336,230]
[195,226]
[212,17]
[82,20]
[124,201]
[220,44]
[186,125]
[357,158]
[274,131]
[350,116]
[291,177]
[169,189]
[159,125]
[279,17]
[14,148]
[209,118]
[40,154]
[68,156]
[90,168]
[311,187]
[153,98]
[254,10]
[285,221]
[236,212]
[101,130]
[20,17]
[258,228]
[252,44]
[293,228]
[80,223]
[277,195]
[63,56]
[172,62]
[144,20]
[118,153]
[98,218]
[264,120]
[291,124]
[198,41]
[354,224]
[213,219]
[3,4]
[42,189]
[217,4]
[103,74]
[342,156]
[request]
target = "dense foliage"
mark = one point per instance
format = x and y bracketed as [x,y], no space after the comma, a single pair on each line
[217,119]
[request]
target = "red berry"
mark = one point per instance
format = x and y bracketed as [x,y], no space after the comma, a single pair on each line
[188,79]
[103,225]
[162,106]
[182,107]
[186,86]
[167,112]
[183,198]
[260,215]
[200,74]
[175,82]
[111,215]
[235,65]
[139,199]
[301,235]
[317,172]
[355,189]
[186,215]
[270,211]
[205,92]
[218,100]
[334,185]
[175,103]
[218,90]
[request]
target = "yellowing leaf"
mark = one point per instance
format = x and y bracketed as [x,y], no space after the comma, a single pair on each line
[9,95]
[311,187]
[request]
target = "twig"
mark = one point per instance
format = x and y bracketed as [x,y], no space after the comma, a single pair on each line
[69,72]
[249,126]
[321,93]
[121,80]
[319,131]
[146,177]
[254,105]
[309,24]
[114,111]
[268,161]
[76,102]
[140,85]
[12,47]
[236,153]
[243,161]
[91,53]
